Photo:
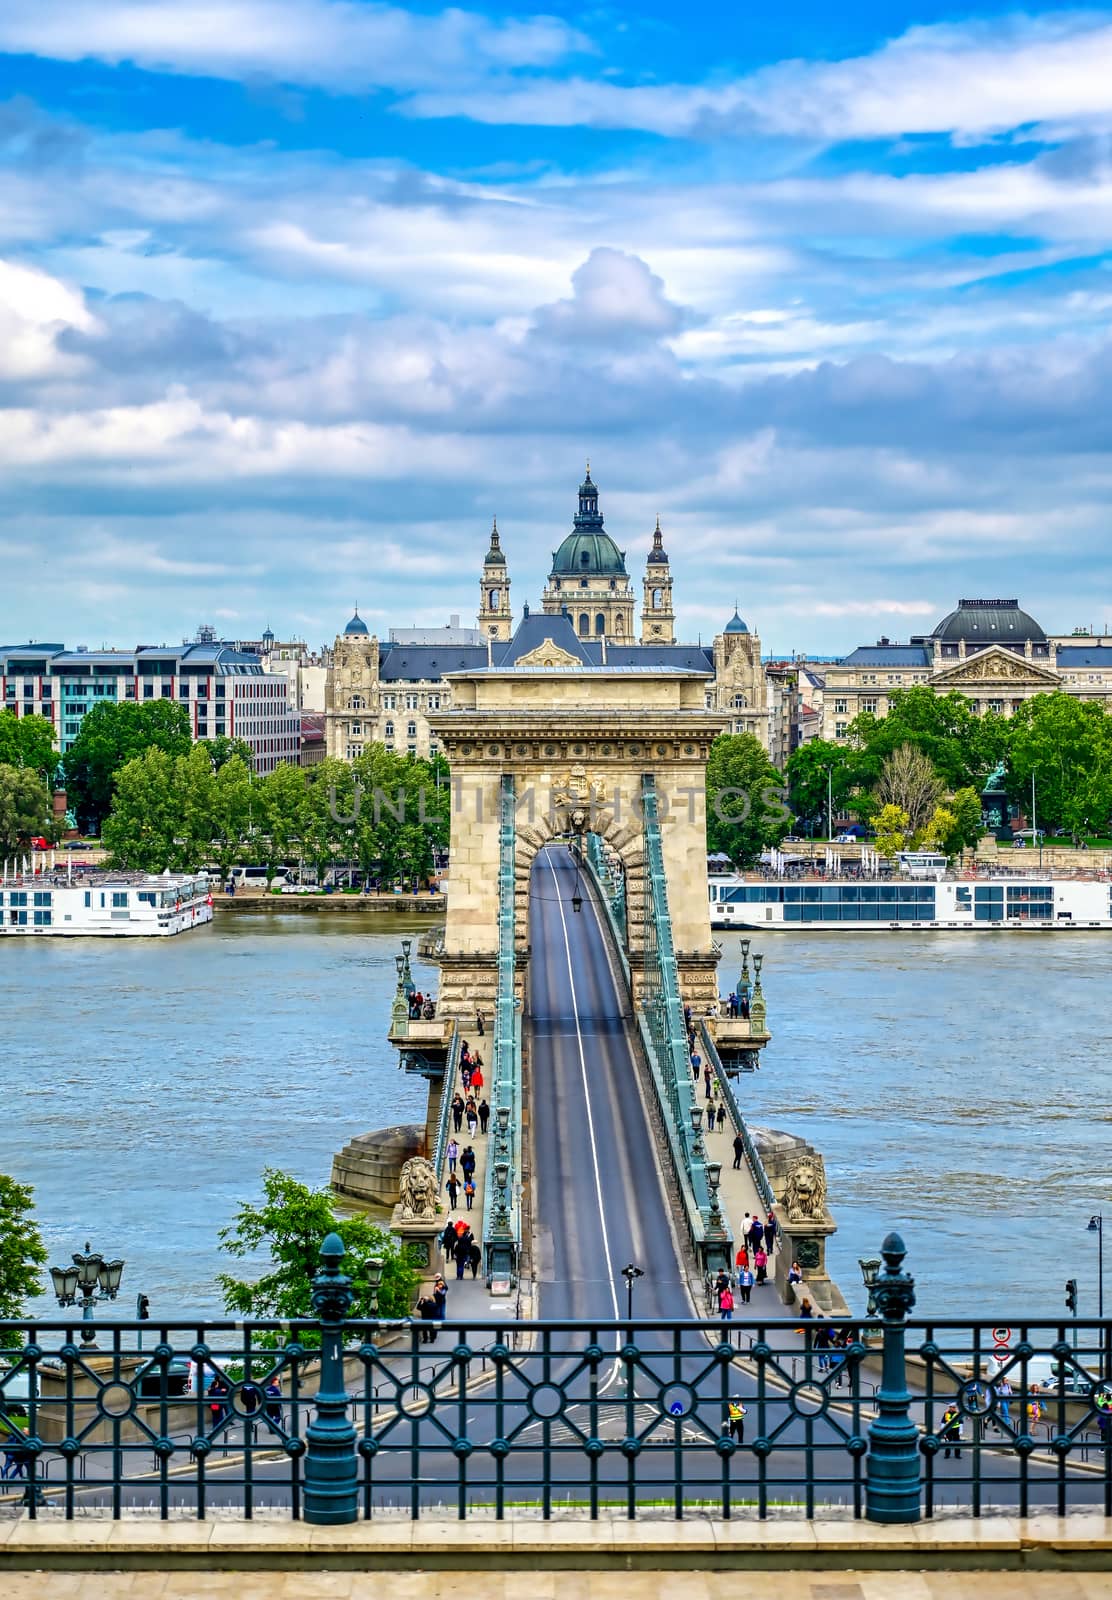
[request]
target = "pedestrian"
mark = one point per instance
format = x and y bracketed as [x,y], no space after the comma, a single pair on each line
[795,1274]
[739,1151]
[1003,1390]
[274,1402]
[708,1083]
[440,1296]
[463,1246]
[426,1308]
[760,1261]
[480,1022]
[467,1162]
[696,1063]
[770,1232]
[745,1284]
[742,1257]
[453,1154]
[726,1304]
[807,1311]
[477,1074]
[218,1394]
[457,1111]
[472,1118]
[721,1116]
[735,1419]
[822,1344]
[452,1186]
[474,1257]
[950,1431]
[448,1237]
[484,1114]
[465,1073]
[756,1236]
[721,1282]
[469,1192]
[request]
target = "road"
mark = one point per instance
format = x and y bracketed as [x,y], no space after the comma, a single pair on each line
[598,1198]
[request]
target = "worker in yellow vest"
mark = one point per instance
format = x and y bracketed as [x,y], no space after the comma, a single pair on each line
[735,1419]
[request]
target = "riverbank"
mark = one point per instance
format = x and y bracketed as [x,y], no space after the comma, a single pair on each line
[423,904]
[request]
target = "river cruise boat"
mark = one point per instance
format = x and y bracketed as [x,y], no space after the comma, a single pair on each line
[975,904]
[109,904]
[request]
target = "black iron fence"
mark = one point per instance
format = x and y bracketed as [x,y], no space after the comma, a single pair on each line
[330,1419]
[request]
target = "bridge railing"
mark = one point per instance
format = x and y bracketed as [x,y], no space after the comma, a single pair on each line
[502,1193]
[612,886]
[447,1090]
[753,1160]
[329,1418]
[665,1034]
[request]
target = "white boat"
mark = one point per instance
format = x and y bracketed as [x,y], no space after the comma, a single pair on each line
[109,904]
[969,903]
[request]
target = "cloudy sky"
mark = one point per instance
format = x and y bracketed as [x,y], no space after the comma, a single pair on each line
[296,294]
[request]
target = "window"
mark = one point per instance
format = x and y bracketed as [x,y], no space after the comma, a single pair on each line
[996,705]
[411,702]
[738,701]
[119,898]
[389,702]
[354,751]
[584,624]
[600,624]
[841,706]
[389,730]
[658,599]
[584,559]
[434,702]
[357,702]
[871,704]
[183,689]
[583,583]
[411,730]
[840,729]
[494,599]
[148,691]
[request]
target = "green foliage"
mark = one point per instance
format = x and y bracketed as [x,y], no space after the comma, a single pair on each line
[26,808]
[111,736]
[222,750]
[290,1226]
[807,775]
[891,826]
[962,747]
[22,1252]
[28,742]
[746,809]
[1066,744]
[908,781]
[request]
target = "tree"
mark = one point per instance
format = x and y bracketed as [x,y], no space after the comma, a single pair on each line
[891,825]
[28,742]
[289,1226]
[908,780]
[969,823]
[282,806]
[26,808]
[22,1251]
[1066,745]
[112,735]
[231,813]
[222,750]
[146,817]
[746,809]
[936,831]
[818,772]
[962,747]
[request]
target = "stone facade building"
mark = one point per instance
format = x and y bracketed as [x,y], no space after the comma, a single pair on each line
[391,691]
[991,651]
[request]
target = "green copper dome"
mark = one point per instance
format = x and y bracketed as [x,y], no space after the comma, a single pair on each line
[588,551]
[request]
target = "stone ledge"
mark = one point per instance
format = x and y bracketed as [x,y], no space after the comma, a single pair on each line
[1081,1543]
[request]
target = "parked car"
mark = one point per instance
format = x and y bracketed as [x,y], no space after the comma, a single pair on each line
[846,838]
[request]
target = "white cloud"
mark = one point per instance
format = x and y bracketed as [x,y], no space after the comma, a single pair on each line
[34,308]
[972,80]
[343,44]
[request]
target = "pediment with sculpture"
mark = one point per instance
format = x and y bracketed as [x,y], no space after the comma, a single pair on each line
[548,654]
[997,665]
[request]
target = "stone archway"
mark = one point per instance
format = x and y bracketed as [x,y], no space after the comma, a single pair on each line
[577,742]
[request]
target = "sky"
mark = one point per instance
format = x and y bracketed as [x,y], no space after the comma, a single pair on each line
[295,295]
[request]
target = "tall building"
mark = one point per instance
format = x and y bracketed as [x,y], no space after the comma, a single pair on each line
[384,692]
[223,688]
[658,620]
[589,582]
[991,651]
[495,616]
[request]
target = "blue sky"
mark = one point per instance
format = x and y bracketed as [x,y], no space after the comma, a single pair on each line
[296,294]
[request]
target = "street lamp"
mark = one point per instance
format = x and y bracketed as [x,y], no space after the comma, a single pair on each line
[375,1265]
[743,980]
[869,1271]
[91,1279]
[631,1273]
[1096,1225]
[714,1178]
[697,1147]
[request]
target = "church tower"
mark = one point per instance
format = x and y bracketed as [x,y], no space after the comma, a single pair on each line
[495,618]
[658,620]
[588,580]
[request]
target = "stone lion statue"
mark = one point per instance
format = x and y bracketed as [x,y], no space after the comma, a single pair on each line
[805,1190]
[418,1190]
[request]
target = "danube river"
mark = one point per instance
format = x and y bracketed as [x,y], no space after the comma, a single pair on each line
[956,1086]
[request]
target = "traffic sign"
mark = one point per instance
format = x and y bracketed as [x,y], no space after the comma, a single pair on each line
[1001,1335]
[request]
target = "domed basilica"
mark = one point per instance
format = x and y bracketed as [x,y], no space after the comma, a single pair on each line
[382,691]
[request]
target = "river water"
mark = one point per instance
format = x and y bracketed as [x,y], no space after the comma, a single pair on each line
[956,1086]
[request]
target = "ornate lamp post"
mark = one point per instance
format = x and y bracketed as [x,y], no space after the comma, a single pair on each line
[869,1271]
[892,1468]
[743,980]
[697,1147]
[406,972]
[91,1280]
[1096,1225]
[331,1469]
[375,1265]
[714,1179]
[631,1273]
